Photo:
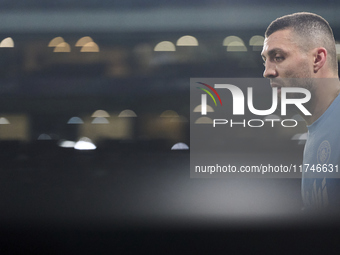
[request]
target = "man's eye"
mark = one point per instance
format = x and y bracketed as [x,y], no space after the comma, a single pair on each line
[278,59]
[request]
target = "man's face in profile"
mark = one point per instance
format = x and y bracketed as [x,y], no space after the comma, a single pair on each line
[286,64]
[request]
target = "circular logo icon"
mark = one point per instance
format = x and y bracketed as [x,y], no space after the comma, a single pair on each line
[324,152]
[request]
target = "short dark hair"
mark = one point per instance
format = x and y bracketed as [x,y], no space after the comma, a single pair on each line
[313,29]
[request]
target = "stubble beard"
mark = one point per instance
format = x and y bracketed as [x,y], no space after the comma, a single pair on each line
[301,80]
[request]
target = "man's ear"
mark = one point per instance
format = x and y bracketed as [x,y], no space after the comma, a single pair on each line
[320,57]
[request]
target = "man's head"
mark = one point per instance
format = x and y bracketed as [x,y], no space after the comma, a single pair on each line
[299,45]
[298,50]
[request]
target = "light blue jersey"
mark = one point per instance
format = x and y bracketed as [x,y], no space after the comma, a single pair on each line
[321,159]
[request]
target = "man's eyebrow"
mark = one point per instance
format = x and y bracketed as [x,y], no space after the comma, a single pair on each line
[272,52]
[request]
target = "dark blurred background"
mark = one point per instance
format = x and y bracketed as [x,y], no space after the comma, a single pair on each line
[93,97]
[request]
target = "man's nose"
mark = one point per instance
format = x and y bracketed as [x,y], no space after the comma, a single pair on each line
[270,70]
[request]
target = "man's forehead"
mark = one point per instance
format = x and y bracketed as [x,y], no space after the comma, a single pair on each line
[279,39]
[284,34]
